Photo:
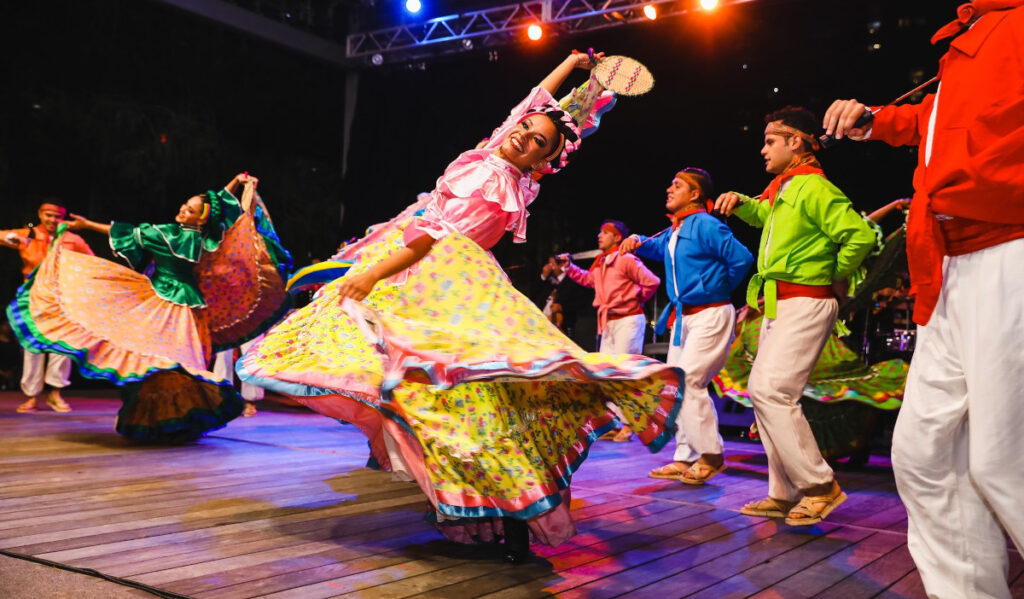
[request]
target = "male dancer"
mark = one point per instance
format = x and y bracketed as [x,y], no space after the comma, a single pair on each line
[33,243]
[957,450]
[703,264]
[622,285]
[805,220]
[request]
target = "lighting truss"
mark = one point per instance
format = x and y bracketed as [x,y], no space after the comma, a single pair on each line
[502,25]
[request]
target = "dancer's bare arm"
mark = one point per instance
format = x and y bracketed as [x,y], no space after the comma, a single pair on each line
[358,286]
[557,77]
[79,222]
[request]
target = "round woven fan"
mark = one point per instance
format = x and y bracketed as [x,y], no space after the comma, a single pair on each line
[624,76]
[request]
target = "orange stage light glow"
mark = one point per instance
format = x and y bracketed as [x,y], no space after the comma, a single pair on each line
[650,12]
[534,32]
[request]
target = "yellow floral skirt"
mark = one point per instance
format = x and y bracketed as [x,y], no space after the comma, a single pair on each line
[491,407]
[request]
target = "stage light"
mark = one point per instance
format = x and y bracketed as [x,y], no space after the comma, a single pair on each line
[534,32]
[708,4]
[377,60]
[413,6]
[467,44]
[650,12]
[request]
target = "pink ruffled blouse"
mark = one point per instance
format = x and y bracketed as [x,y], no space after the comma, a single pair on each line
[480,195]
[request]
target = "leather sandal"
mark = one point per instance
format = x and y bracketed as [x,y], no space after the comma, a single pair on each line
[670,471]
[769,507]
[698,474]
[814,509]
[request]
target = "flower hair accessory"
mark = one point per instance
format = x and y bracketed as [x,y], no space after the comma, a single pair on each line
[569,138]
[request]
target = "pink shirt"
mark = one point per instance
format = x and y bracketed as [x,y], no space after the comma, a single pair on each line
[480,195]
[622,285]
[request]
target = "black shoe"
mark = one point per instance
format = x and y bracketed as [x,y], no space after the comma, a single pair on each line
[517,541]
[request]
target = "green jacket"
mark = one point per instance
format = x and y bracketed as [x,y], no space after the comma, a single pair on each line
[811,235]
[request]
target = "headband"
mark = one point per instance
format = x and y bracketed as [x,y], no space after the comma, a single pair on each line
[205,213]
[54,207]
[691,180]
[569,137]
[611,228]
[777,128]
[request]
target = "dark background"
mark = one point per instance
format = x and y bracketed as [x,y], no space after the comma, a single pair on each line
[124,108]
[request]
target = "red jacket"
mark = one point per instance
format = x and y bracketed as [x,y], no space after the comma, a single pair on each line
[976,169]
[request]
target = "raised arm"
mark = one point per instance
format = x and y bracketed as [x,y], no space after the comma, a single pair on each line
[557,77]
[79,222]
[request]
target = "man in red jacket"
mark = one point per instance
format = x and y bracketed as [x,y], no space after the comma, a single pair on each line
[958,448]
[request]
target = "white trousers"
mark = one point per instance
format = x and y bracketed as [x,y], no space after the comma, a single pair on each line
[224,367]
[706,337]
[787,351]
[958,447]
[623,336]
[37,369]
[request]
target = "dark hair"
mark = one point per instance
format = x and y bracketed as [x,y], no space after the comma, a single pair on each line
[619,226]
[555,116]
[707,188]
[798,118]
[55,201]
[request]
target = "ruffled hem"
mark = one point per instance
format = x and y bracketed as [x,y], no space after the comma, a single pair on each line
[98,357]
[175,406]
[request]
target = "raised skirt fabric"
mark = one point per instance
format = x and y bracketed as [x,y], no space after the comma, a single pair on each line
[110,321]
[463,385]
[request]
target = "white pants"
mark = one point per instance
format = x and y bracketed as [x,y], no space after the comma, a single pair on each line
[958,447]
[52,369]
[623,336]
[787,352]
[224,367]
[706,337]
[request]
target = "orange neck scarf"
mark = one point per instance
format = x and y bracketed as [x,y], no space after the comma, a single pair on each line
[804,164]
[678,218]
[600,259]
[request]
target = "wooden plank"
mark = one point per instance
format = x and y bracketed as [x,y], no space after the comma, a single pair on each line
[873,578]
[821,576]
[253,583]
[763,574]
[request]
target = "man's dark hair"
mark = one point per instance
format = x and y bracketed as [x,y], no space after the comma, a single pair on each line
[707,188]
[619,226]
[55,201]
[798,118]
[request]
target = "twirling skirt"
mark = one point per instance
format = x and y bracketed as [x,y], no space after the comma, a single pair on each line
[463,385]
[839,374]
[110,321]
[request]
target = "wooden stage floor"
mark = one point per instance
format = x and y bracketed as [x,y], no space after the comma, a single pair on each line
[280,505]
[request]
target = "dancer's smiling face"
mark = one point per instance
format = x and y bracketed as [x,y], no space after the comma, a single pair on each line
[530,142]
[191,212]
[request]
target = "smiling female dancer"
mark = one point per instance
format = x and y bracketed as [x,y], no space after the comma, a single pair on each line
[458,380]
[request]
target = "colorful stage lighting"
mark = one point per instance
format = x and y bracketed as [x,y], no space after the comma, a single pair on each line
[650,12]
[534,32]
[413,6]
[708,4]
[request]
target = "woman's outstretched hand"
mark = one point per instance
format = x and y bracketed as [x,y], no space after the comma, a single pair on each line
[583,60]
[357,286]
[76,222]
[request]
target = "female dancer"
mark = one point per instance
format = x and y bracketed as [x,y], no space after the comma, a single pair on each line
[458,380]
[215,282]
